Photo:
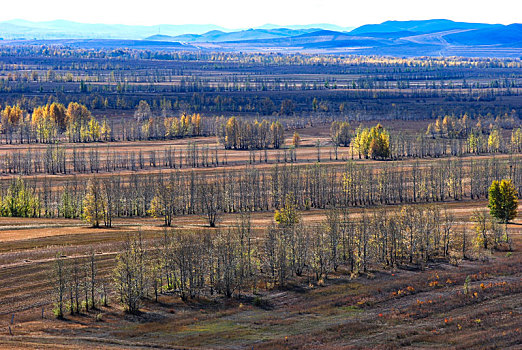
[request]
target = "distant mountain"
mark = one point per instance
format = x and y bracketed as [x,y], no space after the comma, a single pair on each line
[58,29]
[325,26]
[160,37]
[425,26]
[418,38]
[63,29]
[319,39]
[437,37]
[504,35]
[217,36]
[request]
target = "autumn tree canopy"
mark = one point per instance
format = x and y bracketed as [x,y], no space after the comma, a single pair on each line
[11,116]
[372,143]
[77,113]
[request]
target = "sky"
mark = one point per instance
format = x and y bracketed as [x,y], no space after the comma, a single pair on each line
[247,14]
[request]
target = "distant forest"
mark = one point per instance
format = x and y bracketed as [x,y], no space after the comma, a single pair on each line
[356,87]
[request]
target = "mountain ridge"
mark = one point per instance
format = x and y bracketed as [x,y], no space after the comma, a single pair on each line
[436,37]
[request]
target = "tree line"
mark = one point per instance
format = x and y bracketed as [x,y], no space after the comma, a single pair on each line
[52,123]
[167,195]
[239,134]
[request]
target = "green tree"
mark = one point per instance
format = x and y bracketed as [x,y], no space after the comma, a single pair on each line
[494,141]
[20,201]
[503,200]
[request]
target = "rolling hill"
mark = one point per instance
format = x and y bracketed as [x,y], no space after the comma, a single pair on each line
[243,35]
[510,35]
[426,26]
[432,38]
[437,37]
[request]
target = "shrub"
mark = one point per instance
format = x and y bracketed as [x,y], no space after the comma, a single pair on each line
[466,284]
[57,313]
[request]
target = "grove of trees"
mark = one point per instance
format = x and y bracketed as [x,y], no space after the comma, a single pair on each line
[180,192]
[233,261]
[241,134]
[372,143]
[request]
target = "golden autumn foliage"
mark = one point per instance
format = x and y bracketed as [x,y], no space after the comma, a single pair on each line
[296,140]
[372,143]
[11,116]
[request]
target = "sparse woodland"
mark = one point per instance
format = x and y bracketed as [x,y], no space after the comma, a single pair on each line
[208,196]
[251,189]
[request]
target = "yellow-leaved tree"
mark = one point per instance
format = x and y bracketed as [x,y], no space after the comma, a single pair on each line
[287,216]
[296,140]
[93,203]
[494,141]
[277,134]
[372,143]
[379,143]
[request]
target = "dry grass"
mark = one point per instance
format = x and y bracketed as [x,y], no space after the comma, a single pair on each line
[391,309]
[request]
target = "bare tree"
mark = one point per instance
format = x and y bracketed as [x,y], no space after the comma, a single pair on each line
[60,285]
[211,201]
[128,275]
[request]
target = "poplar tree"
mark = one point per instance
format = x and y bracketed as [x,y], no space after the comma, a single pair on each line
[93,203]
[277,134]
[296,140]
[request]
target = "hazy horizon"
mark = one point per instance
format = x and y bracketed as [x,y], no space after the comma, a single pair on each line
[180,24]
[235,14]
[278,25]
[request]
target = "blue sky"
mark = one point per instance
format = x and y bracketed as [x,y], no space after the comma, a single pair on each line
[245,14]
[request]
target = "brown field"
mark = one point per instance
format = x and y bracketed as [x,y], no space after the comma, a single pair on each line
[385,308]
[365,312]
[416,306]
